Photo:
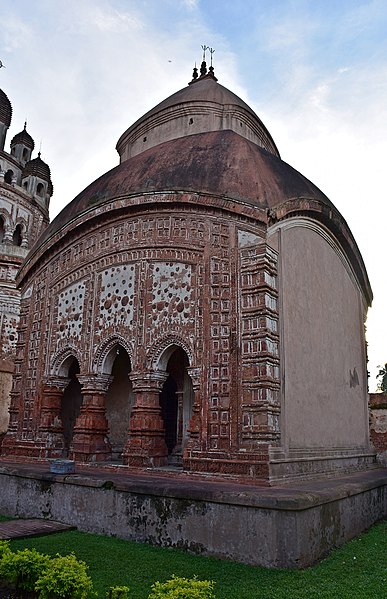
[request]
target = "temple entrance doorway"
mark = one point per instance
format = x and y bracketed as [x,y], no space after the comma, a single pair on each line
[176,401]
[119,400]
[71,401]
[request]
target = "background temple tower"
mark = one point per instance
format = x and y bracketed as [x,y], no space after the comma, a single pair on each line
[25,191]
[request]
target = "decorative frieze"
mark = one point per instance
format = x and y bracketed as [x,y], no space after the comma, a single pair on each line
[70,313]
[259,346]
[218,304]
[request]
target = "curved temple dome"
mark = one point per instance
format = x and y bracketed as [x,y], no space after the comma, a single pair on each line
[226,151]
[23,138]
[5,109]
[203,106]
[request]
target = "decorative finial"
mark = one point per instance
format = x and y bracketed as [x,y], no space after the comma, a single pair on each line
[39,154]
[25,125]
[211,52]
[203,66]
[1,64]
[211,69]
[195,73]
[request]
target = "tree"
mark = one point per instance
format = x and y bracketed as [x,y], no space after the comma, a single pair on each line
[382,374]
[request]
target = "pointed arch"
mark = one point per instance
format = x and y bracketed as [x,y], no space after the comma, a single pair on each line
[72,399]
[159,354]
[40,189]
[62,360]
[176,398]
[114,358]
[4,226]
[105,354]
[8,176]
[17,236]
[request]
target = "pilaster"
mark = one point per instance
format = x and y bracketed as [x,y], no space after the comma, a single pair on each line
[145,446]
[51,427]
[90,442]
[193,443]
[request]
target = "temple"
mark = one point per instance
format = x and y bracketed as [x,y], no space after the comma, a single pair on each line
[199,307]
[25,192]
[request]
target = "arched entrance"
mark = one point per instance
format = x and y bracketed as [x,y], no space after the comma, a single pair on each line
[71,400]
[119,399]
[176,401]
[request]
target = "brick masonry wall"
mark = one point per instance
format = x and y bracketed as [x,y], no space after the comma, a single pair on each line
[378,421]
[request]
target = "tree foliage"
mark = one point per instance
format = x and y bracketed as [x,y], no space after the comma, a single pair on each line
[382,375]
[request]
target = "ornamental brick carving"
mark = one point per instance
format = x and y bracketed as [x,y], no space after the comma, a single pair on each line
[146,442]
[90,440]
[216,299]
[51,427]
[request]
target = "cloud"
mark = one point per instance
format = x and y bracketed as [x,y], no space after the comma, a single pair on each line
[15,33]
[363,17]
[92,68]
[114,21]
[82,72]
[105,18]
[191,4]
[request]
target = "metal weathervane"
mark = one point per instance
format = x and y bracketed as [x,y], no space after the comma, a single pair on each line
[211,52]
[205,48]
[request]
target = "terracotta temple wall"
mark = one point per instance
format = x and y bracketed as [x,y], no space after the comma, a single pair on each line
[200,281]
[378,423]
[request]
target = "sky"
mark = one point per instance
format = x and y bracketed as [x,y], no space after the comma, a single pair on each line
[315,71]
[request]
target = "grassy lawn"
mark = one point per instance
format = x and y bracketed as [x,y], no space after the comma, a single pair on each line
[357,570]
[4,518]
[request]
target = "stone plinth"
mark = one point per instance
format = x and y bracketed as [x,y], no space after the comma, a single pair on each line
[282,527]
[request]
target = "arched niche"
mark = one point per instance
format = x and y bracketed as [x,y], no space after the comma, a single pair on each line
[119,398]
[71,400]
[17,236]
[2,229]
[8,177]
[163,350]
[40,190]
[107,353]
[176,400]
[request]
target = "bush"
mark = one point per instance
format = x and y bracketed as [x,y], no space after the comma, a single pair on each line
[182,588]
[23,568]
[4,548]
[66,578]
[118,593]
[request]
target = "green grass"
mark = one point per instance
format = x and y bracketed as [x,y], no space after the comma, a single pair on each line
[357,570]
[4,518]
